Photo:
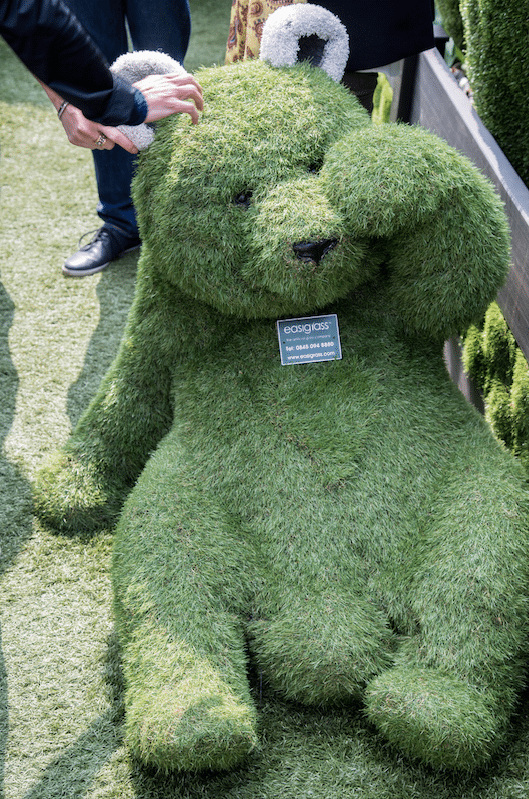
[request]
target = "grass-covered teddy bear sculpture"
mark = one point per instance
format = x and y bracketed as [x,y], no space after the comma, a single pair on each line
[348,526]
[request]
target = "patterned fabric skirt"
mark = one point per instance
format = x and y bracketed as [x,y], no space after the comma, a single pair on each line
[246,25]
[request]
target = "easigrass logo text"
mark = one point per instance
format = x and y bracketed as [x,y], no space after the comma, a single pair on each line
[315,327]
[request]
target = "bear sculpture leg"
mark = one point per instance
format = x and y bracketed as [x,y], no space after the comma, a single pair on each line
[179,589]
[450,694]
[321,644]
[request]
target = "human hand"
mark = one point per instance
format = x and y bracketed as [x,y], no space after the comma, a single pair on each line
[166,95]
[92,135]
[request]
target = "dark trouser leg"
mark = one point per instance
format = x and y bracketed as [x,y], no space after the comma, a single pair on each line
[363,85]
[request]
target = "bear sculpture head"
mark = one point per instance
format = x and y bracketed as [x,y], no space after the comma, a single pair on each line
[285,196]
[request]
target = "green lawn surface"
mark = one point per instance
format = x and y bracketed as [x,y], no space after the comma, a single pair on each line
[60,689]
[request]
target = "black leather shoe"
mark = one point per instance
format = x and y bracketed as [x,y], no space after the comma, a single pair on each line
[108,244]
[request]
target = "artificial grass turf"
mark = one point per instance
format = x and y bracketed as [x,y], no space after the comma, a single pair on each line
[61,723]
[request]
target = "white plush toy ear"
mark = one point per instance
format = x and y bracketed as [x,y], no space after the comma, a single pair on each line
[305,32]
[133,67]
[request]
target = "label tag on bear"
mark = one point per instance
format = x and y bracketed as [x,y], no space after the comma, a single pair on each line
[309,339]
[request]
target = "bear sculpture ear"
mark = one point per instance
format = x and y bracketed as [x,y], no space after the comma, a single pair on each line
[305,32]
[133,67]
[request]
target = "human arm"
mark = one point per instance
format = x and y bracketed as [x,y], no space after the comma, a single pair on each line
[82,131]
[51,43]
[164,94]
[171,94]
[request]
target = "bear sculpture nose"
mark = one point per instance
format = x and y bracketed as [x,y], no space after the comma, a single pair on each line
[314,251]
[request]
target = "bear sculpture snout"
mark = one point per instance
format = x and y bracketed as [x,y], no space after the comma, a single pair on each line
[314,251]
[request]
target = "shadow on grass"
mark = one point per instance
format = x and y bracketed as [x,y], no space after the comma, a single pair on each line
[14,489]
[15,494]
[316,754]
[305,754]
[72,774]
[115,291]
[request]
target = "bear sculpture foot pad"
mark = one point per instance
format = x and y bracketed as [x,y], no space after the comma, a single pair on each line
[434,718]
[167,731]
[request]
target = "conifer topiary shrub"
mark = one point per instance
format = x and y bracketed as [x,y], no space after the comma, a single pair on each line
[499,369]
[497,59]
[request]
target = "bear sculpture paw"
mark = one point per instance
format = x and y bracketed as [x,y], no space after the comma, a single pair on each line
[433,717]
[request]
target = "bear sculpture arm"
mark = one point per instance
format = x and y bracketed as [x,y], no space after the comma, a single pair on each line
[407,187]
[82,487]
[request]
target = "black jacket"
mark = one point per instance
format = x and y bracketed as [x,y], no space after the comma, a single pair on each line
[50,41]
[383,31]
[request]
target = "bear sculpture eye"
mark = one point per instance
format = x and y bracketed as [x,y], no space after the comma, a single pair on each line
[243,199]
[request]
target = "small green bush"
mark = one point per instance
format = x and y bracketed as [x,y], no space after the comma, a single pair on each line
[382,100]
[520,407]
[498,367]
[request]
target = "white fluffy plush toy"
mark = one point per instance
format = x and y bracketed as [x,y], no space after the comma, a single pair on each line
[133,67]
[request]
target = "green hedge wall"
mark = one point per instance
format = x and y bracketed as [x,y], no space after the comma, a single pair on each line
[497,60]
[494,37]
[498,367]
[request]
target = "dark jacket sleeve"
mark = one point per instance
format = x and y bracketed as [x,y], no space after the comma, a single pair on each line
[50,41]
